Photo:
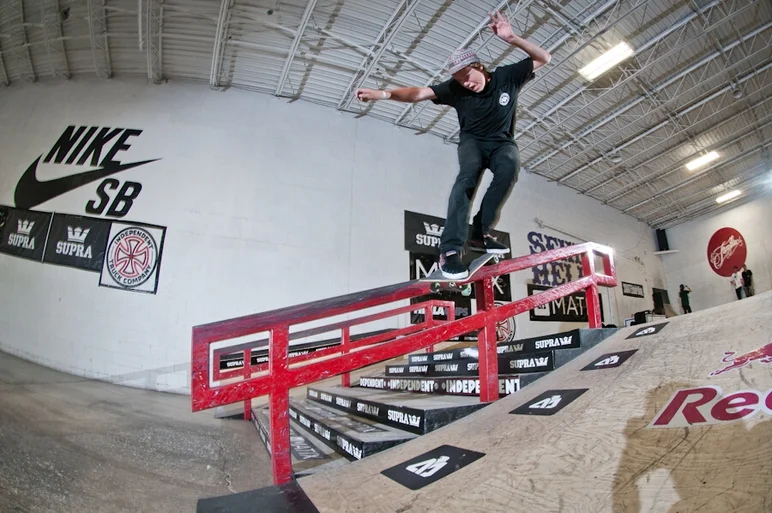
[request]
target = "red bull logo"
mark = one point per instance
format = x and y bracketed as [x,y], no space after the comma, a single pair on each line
[761,355]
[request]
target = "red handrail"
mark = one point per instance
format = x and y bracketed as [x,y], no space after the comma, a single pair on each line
[280,377]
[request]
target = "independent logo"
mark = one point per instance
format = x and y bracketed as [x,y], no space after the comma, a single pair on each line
[132,257]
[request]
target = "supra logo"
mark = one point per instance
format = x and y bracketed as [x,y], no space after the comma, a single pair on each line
[84,146]
[549,402]
[707,406]
[432,237]
[761,355]
[610,360]
[77,234]
[429,467]
[433,229]
[75,244]
[23,236]
[24,227]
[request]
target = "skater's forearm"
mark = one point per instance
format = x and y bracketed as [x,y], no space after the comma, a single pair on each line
[410,94]
[540,56]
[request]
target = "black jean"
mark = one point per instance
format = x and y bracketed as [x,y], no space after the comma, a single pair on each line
[474,157]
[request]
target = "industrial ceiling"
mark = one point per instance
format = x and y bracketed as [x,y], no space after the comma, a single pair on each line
[697,81]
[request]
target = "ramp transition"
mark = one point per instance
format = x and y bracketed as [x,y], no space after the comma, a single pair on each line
[658,417]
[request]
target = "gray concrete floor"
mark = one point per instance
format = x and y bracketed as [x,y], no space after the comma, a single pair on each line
[68,444]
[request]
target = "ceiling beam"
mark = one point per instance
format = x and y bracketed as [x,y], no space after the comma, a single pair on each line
[391,29]
[18,7]
[97,29]
[220,37]
[295,43]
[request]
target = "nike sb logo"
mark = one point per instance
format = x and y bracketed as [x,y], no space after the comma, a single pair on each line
[84,146]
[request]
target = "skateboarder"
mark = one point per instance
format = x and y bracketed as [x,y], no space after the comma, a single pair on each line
[485,102]
[684,295]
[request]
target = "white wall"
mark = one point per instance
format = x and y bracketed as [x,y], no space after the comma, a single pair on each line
[690,265]
[267,204]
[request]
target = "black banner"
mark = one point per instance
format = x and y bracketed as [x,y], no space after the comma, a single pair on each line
[77,241]
[24,233]
[571,308]
[507,364]
[3,217]
[632,289]
[423,233]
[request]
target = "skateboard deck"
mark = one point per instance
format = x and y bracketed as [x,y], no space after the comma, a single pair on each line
[464,284]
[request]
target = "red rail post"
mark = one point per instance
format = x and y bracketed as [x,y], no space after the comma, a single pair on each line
[281,458]
[345,337]
[591,293]
[247,373]
[488,367]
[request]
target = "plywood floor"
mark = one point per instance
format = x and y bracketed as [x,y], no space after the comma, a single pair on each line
[598,453]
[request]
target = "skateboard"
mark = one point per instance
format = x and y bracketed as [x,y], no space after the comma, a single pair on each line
[463,285]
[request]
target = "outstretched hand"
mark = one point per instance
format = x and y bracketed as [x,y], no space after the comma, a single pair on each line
[368,95]
[500,25]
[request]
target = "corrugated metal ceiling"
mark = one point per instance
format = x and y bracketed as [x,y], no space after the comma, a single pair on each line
[699,81]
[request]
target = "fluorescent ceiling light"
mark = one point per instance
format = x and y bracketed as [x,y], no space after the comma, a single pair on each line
[701,161]
[606,61]
[728,196]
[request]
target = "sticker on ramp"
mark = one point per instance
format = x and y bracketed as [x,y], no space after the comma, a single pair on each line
[648,330]
[431,466]
[737,361]
[550,402]
[610,360]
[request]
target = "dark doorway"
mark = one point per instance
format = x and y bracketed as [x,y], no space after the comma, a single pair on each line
[660,300]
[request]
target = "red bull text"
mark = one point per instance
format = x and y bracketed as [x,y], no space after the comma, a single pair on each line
[703,406]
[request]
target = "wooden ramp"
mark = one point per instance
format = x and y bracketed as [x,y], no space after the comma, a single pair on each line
[649,429]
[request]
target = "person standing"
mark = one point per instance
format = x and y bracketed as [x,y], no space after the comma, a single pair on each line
[747,275]
[737,282]
[684,295]
[485,103]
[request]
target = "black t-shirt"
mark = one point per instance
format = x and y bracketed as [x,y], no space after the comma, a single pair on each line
[488,115]
[747,277]
[684,297]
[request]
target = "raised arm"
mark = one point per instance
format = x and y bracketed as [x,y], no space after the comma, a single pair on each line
[401,94]
[501,27]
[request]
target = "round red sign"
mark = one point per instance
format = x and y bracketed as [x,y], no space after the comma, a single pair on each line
[726,249]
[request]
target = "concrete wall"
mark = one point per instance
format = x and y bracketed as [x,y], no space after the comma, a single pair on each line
[266,203]
[690,265]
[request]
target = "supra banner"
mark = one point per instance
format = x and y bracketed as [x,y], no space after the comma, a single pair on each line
[24,233]
[77,241]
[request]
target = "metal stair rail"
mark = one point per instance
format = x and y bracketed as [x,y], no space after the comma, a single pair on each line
[281,373]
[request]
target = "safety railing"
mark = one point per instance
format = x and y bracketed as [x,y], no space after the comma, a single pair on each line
[281,373]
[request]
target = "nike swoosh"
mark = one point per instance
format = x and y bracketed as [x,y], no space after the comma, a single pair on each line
[30,192]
